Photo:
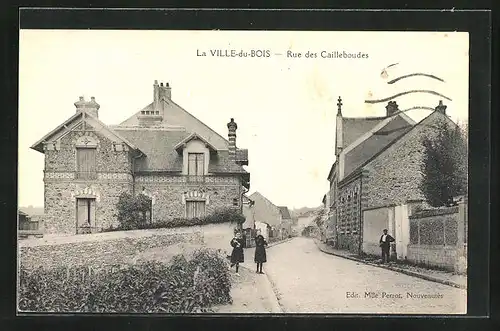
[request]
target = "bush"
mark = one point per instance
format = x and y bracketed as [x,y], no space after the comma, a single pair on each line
[224,215]
[134,212]
[183,286]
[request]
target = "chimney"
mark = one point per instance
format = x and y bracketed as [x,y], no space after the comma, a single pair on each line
[156,95]
[391,108]
[232,138]
[441,107]
[165,91]
[91,107]
[338,130]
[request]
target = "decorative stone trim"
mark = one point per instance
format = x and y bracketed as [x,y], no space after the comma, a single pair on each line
[87,192]
[59,175]
[122,176]
[119,147]
[161,179]
[184,179]
[434,212]
[52,145]
[195,196]
[86,141]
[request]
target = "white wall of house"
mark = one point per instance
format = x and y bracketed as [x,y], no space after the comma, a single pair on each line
[402,230]
[374,222]
[395,220]
[263,229]
[249,217]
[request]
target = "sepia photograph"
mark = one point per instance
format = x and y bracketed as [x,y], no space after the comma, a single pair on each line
[242,172]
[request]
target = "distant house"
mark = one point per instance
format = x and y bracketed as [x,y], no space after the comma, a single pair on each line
[377,167]
[278,218]
[28,226]
[286,222]
[184,167]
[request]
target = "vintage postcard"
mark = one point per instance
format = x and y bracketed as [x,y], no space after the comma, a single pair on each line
[243,172]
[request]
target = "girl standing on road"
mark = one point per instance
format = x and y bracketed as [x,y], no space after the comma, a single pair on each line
[260,252]
[237,254]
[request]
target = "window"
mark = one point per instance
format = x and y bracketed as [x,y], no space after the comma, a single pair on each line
[86,163]
[235,202]
[196,164]
[195,209]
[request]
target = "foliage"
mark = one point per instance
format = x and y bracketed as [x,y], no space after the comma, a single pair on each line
[223,215]
[319,220]
[183,286]
[444,166]
[133,211]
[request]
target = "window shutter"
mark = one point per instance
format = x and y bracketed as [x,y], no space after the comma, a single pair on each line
[86,161]
[191,164]
[200,164]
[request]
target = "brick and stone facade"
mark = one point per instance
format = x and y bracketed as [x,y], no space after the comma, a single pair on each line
[394,176]
[173,191]
[88,165]
[349,215]
[378,164]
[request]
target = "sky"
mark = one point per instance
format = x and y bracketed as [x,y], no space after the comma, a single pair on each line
[285,106]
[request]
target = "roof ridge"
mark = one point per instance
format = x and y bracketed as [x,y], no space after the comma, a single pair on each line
[371,118]
[390,144]
[196,118]
[112,131]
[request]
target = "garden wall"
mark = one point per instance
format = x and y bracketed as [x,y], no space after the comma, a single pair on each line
[100,250]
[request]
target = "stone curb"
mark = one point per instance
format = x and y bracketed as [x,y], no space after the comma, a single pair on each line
[403,271]
[271,293]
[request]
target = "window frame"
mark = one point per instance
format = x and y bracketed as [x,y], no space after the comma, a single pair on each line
[197,163]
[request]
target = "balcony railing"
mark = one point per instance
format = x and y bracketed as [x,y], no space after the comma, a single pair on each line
[86,175]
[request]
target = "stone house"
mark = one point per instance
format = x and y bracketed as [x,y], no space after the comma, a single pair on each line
[278,218]
[286,222]
[185,168]
[377,168]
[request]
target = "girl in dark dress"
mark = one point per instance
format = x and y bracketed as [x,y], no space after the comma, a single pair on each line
[260,251]
[237,254]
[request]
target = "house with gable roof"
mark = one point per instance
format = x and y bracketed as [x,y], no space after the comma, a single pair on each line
[277,218]
[162,151]
[377,167]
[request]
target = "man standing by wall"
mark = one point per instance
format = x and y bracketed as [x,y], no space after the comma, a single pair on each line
[385,244]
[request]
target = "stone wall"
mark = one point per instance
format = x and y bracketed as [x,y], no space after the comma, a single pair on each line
[394,176]
[437,238]
[436,256]
[100,253]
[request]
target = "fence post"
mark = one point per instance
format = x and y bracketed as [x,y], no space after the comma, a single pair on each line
[444,231]
[461,258]
[418,240]
[461,227]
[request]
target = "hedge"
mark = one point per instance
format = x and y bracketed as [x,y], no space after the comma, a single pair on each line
[225,215]
[183,286]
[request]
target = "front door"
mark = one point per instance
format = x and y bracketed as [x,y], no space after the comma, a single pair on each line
[85,215]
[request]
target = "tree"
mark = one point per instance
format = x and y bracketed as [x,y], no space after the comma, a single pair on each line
[444,166]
